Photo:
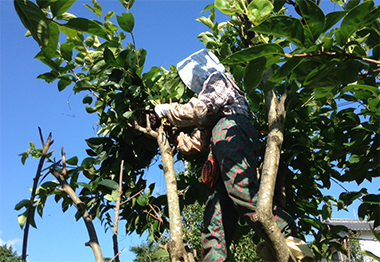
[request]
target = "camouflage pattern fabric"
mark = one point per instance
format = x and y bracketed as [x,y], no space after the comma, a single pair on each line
[235,147]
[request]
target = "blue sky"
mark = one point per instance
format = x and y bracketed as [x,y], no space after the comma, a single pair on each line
[167,30]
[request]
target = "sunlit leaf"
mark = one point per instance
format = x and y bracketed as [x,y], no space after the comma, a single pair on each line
[254,52]
[34,20]
[283,27]
[228,7]
[61,6]
[259,9]
[22,219]
[82,85]
[97,8]
[86,26]
[109,15]
[110,184]
[126,22]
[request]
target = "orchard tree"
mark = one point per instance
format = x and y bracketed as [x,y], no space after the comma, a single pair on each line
[312,80]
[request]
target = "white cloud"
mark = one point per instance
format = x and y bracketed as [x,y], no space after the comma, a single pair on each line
[16,242]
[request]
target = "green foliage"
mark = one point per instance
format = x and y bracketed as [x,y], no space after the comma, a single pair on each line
[327,64]
[7,254]
[149,251]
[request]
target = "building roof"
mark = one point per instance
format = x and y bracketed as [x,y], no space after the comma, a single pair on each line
[352,224]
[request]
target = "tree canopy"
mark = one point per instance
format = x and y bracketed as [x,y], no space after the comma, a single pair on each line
[312,80]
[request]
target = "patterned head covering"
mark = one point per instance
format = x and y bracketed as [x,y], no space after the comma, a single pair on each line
[195,69]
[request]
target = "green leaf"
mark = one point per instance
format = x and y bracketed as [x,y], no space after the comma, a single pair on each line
[370,254]
[113,196]
[354,159]
[22,219]
[109,15]
[356,87]
[254,73]
[126,22]
[278,4]
[44,3]
[253,53]
[127,3]
[34,20]
[86,26]
[85,185]
[110,184]
[67,51]
[259,10]
[358,18]
[282,73]
[142,200]
[160,254]
[374,105]
[87,100]
[64,82]
[322,92]
[22,203]
[98,67]
[109,57]
[128,114]
[228,7]
[333,18]
[206,21]
[97,8]
[50,51]
[61,6]
[72,161]
[283,27]
[82,85]
[314,19]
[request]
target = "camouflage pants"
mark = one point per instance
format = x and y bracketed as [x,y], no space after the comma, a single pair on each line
[235,146]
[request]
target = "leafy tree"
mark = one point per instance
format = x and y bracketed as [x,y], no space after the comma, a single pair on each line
[312,80]
[7,254]
[149,251]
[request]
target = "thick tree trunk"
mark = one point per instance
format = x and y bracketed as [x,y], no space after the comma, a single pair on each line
[175,245]
[276,118]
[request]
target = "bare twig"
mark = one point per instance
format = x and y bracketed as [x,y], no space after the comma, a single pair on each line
[93,243]
[30,213]
[117,211]
[117,256]
[129,199]
[156,214]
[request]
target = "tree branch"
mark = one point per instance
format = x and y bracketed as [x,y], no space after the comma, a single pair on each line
[146,130]
[93,243]
[117,211]
[175,245]
[276,117]
[365,59]
[45,153]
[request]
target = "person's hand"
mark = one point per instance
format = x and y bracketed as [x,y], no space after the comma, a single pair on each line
[162,110]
